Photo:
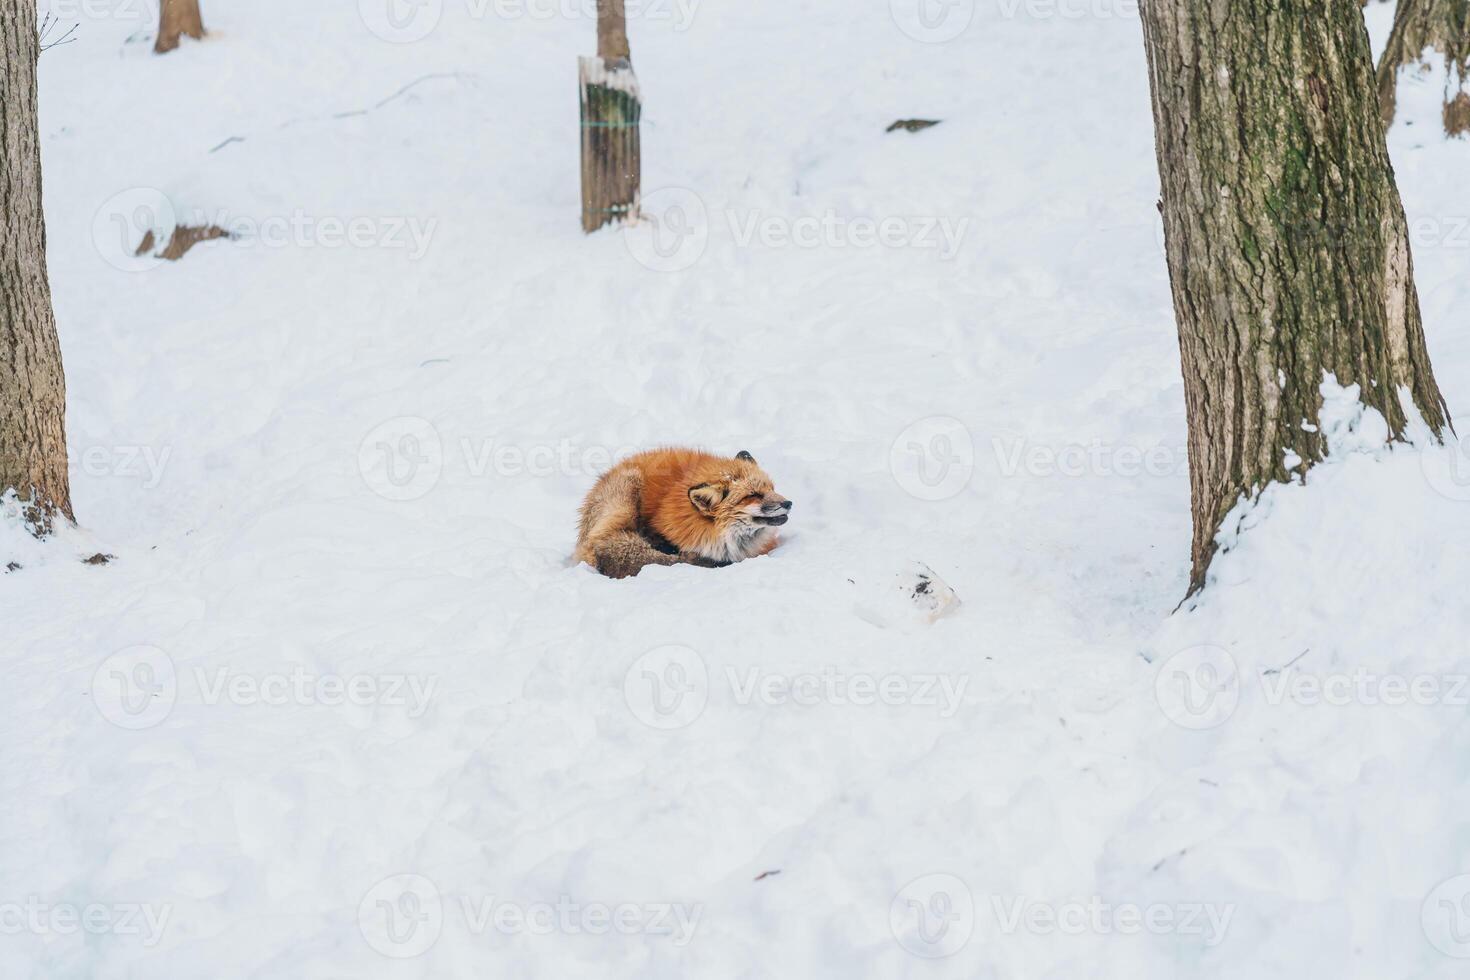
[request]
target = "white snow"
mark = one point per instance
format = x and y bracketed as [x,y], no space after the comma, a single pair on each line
[341,707]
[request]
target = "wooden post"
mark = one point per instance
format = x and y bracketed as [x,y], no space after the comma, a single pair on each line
[611,155]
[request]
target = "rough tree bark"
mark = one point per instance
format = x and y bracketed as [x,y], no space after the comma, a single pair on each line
[32,387]
[175,19]
[612,31]
[1443,25]
[1287,244]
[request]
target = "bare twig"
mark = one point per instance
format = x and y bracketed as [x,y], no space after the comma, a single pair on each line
[48,24]
[1276,670]
[349,113]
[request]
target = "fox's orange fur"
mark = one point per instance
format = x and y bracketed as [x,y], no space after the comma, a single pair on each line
[679,506]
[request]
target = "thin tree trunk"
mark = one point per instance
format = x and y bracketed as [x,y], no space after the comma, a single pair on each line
[32,387]
[177,18]
[1418,25]
[1287,244]
[612,31]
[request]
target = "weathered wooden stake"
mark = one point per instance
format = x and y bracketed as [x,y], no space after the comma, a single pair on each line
[612,160]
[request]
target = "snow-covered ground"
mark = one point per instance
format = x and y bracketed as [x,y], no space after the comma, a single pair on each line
[341,707]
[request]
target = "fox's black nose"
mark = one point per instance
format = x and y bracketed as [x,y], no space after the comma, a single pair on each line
[787,505]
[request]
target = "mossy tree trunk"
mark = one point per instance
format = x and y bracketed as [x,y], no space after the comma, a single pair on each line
[32,387]
[175,19]
[1418,26]
[1287,244]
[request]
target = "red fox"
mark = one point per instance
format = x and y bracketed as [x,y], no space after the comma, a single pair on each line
[679,506]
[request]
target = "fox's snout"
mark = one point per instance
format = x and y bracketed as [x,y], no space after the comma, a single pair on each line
[775,511]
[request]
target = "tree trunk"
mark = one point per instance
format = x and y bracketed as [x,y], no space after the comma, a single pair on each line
[612,31]
[32,388]
[1443,25]
[1287,244]
[176,18]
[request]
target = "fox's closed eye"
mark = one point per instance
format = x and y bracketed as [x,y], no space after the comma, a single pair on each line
[754,498]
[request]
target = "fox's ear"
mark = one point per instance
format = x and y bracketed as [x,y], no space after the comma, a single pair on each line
[705,496]
[743,454]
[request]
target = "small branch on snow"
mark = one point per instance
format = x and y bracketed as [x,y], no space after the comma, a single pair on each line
[1171,857]
[48,24]
[1276,670]
[398,94]
[351,113]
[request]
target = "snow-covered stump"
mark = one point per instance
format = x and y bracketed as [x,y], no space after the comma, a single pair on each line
[611,156]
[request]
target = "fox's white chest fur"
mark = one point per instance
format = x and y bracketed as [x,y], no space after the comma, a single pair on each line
[740,542]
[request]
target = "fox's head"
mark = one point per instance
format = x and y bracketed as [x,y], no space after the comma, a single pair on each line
[741,497]
[719,507]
